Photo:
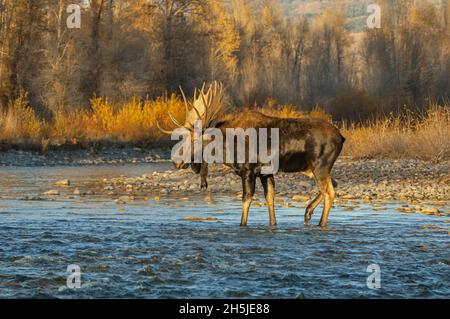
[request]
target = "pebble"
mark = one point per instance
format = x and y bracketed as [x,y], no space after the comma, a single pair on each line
[52,192]
[125,198]
[299,198]
[428,210]
[63,182]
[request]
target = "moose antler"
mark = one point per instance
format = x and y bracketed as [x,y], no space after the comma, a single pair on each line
[212,102]
[174,120]
[163,130]
[205,106]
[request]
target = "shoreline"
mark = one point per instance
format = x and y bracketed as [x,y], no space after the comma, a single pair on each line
[418,190]
[118,154]
[418,186]
[376,179]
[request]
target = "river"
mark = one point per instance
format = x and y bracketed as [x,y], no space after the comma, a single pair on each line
[146,249]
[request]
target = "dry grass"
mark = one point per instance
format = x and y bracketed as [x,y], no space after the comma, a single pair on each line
[419,136]
[290,111]
[416,136]
[19,122]
[132,122]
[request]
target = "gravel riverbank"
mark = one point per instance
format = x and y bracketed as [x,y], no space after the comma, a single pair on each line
[421,186]
[369,179]
[410,181]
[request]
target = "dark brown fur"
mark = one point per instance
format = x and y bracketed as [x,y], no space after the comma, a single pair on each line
[310,146]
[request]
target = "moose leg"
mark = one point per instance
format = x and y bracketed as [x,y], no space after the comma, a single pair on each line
[268,183]
[248,190]
[204,175]
[311,206]
[327,190]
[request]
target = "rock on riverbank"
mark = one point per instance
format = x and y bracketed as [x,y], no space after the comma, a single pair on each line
[406,180]
[397,180]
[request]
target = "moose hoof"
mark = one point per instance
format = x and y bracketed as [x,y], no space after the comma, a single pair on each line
[322,225]
[204,186]
[307,218]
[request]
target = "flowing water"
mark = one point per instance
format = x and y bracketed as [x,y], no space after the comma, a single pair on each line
[146,249]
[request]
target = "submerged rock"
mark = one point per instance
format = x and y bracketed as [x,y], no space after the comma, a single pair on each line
[191,219]
[32,198]
[429,210]
[125,198]
[79,192]
[299,198]
[431,227]
[52,192]
[63,182]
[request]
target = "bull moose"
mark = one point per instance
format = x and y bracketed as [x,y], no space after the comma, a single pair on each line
[308,146]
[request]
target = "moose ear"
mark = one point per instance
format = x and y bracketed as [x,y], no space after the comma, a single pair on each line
[216,123]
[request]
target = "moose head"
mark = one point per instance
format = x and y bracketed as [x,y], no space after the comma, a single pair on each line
[207,105]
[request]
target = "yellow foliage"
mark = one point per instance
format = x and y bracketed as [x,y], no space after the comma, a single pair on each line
[102,118]
[422,136]
[19,122]
[68,126]
[136,120]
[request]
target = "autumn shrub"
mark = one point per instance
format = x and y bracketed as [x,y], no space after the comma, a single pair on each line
[136,120]
[417,136]
[19,123]
[423,136]
[69,127]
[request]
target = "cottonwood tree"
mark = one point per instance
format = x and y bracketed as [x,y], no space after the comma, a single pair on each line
[59,79]
[147,48]
[21,26]
[325,69]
